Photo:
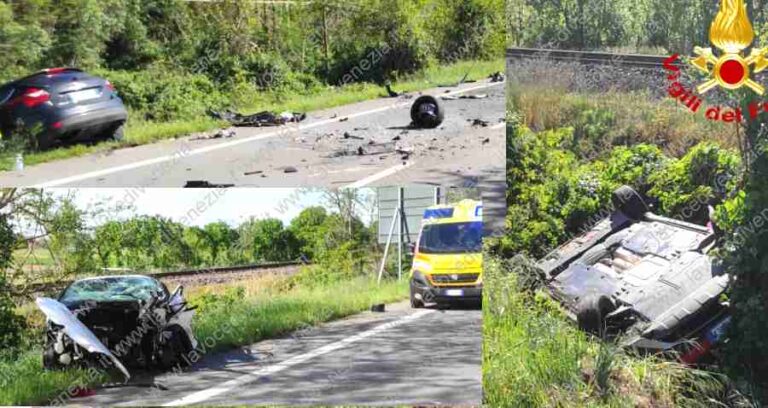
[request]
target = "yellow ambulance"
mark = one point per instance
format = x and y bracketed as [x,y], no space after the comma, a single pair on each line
[448,261]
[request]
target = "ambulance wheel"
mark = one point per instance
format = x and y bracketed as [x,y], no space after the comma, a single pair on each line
[415,303]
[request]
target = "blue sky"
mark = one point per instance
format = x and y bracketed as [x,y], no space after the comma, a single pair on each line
[202,206]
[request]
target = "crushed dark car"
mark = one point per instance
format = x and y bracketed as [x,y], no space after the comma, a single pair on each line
[61,105]
[120,321]
[645,279]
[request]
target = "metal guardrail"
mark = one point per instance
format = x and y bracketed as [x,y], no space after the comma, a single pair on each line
[44,287]
[590,57]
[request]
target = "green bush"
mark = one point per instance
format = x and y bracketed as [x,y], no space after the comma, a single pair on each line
[707,175]
[165,95]
[11,325]
[634,166]
[553,196]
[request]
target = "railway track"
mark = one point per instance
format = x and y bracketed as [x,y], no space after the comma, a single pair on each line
[590,57]
[236,272]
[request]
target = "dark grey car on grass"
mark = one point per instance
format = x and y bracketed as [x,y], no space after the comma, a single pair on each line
[59,106]
[647,278]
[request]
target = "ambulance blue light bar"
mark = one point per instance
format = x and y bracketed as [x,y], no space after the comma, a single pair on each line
[438,213]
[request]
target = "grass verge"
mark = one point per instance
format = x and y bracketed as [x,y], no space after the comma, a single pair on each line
[140,131]
[605,120]
[229,315]
[534,357]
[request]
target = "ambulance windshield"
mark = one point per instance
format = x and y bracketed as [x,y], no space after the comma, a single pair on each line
[456,238]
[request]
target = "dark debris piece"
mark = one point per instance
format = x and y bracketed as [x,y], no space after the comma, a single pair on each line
[260,119]
[497,77]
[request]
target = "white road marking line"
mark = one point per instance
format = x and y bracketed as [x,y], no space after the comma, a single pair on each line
[225,145]
[380,175]
[230,385]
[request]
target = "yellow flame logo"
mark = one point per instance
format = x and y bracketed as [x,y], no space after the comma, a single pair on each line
[731,32]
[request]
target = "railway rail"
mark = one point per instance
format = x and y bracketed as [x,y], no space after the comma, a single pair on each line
[48,287]
[590,57]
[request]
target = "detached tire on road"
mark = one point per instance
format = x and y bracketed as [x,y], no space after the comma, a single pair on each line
[427,112]
[591,311]
[628,201]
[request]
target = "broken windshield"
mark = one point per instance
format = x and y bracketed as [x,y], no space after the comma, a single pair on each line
[112,289]
[456,238]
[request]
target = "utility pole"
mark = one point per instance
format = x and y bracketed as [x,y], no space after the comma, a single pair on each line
[325,39]
[401,210]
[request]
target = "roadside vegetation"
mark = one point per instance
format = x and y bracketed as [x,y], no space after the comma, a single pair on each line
[633,26]
[174,61]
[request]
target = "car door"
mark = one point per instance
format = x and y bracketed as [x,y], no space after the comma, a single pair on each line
[6,93]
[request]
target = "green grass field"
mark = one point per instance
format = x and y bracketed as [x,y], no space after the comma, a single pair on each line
[227,317]
[140,131]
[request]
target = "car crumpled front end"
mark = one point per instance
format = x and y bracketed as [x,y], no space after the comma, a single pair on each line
[146,334]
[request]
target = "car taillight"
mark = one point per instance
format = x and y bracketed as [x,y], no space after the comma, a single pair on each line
[31,97]
[110,86]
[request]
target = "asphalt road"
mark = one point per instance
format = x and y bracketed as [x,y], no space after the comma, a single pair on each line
[315,153]
[399,357]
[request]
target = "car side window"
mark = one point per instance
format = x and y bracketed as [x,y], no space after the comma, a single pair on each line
[5,94]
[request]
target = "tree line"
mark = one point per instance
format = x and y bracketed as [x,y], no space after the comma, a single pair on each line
[268,43]
[672,26]
[49,238]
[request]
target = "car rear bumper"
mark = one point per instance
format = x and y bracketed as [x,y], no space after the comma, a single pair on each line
[93,119]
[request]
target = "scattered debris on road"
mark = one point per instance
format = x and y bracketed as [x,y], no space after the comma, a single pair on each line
[497,77]
[390,92]
[260,119]
[205,184]
[378,308]
[290,169]
[456,98]
[253,173]
[406,152]
[219,134]
[348,135]
[479,122]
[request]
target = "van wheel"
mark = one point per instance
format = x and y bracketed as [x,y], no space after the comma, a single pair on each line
[415,303]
